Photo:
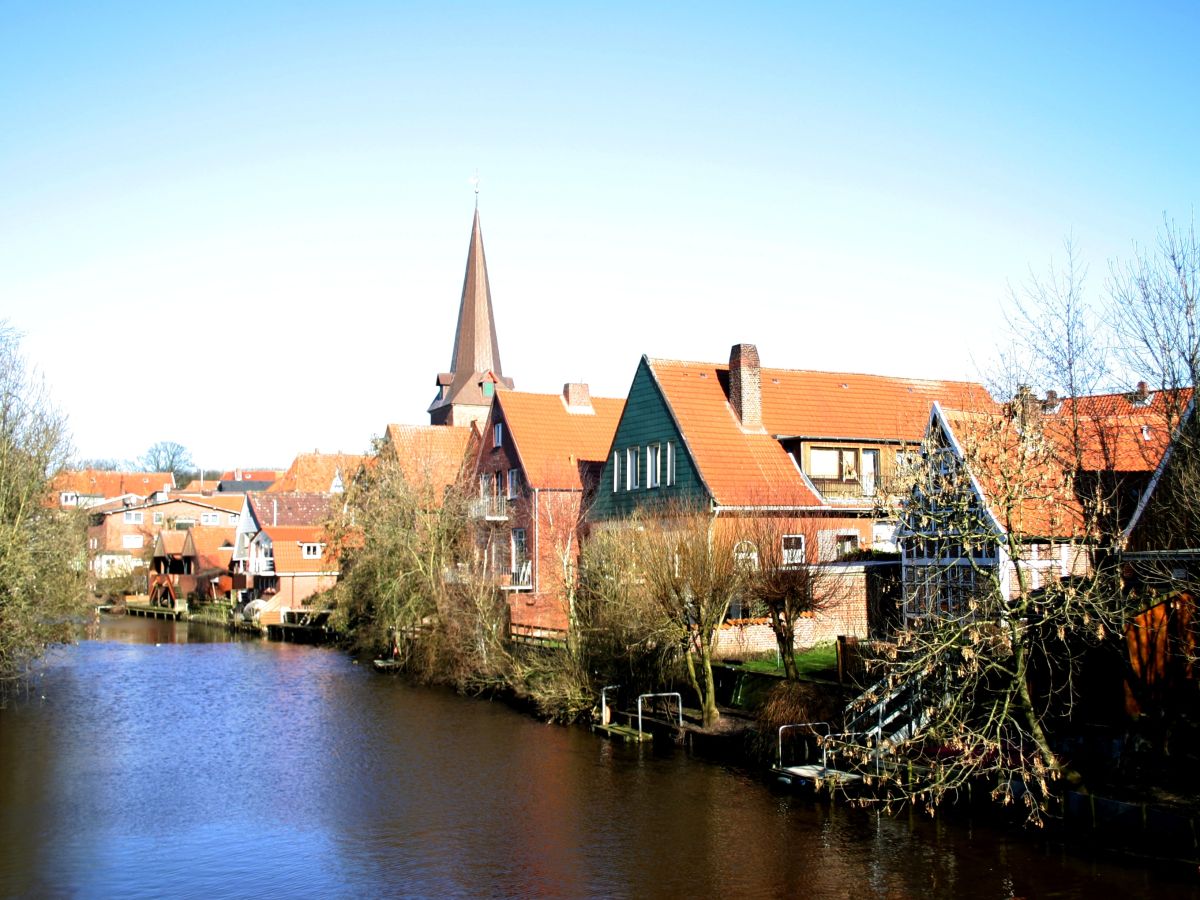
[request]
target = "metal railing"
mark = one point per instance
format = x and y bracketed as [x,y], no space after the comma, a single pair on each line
[678,704]
[492,508]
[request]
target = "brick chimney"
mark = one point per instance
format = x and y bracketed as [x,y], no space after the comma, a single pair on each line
[745,386]
[577,397]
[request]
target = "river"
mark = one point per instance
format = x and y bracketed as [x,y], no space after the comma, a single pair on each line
[160,759]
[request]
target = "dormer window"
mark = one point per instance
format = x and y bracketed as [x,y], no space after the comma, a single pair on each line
[68,498]
[310,551]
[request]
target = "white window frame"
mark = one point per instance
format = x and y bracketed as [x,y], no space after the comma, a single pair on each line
[670,479]
[633,468]
[653,465]
[157,518]
[512,548]
[210,518]
[133,541]
[616,461]
[234,518]
[134,517]
[68,498]
[514,483]
[497,435]
[310,551]
[793,557]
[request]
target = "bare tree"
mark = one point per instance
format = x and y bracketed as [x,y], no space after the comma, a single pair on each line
[691,570]
[786,577]
[42,571]
[168,456]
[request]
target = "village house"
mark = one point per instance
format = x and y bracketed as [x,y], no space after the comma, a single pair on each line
[120,534]
[261,510]
[816,454]
[191,566]
[1018,495]
[88,488]
[538,466]
[290,564]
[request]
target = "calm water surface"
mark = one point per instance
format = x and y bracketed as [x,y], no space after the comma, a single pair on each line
[171,760]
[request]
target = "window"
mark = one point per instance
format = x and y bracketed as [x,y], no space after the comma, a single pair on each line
[514,483]
[68,498]
[210,518]
[745,554]
[234,518]
[497,434]
[485,485]
[633,468]
[158,518]
[653,461]
[133,517]
[793,550]
[839,463]
[616,470]
[846,544]
[132,541]
[520,550]
[670,475]
[310,551]
[93,543]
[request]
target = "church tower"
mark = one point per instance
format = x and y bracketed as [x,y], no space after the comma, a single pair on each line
[465,392]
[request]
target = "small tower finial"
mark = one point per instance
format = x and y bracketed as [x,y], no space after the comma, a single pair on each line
[474,181]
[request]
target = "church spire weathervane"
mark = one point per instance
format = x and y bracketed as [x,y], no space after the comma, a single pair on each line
[474,182]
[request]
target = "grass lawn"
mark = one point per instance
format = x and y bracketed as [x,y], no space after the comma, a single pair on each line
[819,662]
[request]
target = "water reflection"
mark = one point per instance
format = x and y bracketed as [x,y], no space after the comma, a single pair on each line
[166,759]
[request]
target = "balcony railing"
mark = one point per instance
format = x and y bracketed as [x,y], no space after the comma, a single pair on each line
[519,579]
[848,489]
[494,509]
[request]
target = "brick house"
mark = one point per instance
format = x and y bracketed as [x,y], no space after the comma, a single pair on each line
[539,461]
[88,488]
[815,454]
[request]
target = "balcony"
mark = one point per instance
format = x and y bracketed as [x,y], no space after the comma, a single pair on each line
[867,488]
[519,579]
[491,509]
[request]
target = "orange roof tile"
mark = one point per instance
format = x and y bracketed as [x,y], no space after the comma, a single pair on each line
[555,442]
[430,455]
[317,472]
[749,468]
[100,483]
[287,545]
[1027,484]
[213,545]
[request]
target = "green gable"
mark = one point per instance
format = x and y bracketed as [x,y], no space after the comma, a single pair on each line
[647,422]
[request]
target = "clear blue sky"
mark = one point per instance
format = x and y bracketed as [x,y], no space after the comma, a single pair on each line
[243,227]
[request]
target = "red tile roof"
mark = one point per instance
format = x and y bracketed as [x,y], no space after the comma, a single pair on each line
[212,545]
[554,443]
[286,509]
[430,455]
[751,468]
[99,483]
[1027,484]
[316,472]
[287,545]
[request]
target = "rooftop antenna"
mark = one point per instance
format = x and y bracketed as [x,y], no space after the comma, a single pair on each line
[474,182]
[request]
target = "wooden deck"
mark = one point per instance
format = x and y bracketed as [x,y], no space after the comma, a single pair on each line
[176,613]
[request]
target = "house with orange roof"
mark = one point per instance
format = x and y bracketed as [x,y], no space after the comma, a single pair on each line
[817,453]
[191,565]
[324,473]
[121,533]
[86,488]
[537,469]
[290,565]
[1014,496]
[261,509]
[433,457]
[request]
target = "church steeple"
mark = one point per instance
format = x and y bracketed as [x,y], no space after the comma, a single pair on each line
[465,392]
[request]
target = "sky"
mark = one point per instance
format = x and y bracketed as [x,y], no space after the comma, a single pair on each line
[243,227]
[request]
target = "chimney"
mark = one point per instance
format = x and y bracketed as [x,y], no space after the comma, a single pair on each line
[745,386]
[1050,404]
[1141,397]
[577,397]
